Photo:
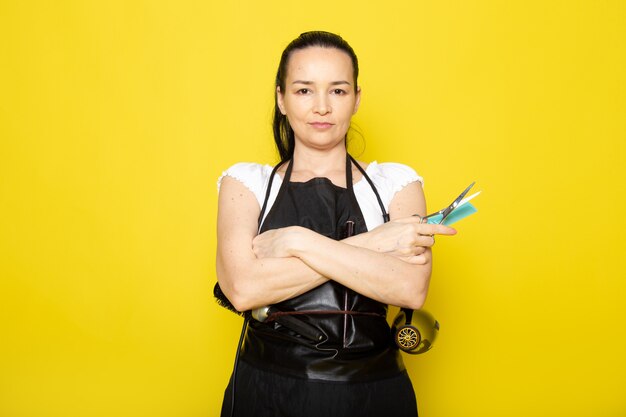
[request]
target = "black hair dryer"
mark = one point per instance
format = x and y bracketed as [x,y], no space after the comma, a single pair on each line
[414,331]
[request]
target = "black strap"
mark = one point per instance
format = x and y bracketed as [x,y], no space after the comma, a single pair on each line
[348,185]
[267,193]
[367,178]
[349,174]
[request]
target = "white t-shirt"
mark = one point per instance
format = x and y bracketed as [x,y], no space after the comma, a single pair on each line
[388,177]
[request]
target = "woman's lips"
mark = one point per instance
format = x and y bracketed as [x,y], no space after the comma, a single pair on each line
[321,125]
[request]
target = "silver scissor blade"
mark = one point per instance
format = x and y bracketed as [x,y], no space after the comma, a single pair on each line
[456,202]
[460,197]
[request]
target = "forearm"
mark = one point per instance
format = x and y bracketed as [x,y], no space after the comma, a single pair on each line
[251,283]
[362,240]
[376,275]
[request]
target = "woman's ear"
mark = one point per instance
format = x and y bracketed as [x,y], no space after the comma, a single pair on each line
[358,100]
[280,100]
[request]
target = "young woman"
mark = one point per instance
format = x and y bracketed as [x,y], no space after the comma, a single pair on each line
[310,238]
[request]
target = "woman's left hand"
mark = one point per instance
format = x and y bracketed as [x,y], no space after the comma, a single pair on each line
[275,243]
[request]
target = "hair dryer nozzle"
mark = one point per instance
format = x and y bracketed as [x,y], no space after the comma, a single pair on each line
[414,331]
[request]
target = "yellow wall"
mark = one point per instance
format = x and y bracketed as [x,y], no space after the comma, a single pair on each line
[116,118]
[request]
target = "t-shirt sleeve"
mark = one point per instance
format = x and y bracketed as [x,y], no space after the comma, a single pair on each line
[392,177]
[252,175]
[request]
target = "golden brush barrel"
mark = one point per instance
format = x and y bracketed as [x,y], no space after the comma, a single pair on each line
[414,331]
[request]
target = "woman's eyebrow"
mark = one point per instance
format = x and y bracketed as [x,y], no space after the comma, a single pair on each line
[311,82]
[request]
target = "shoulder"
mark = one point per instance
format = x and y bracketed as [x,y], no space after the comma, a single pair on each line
[402,188]
[392,176]
[390,180]
[252,175]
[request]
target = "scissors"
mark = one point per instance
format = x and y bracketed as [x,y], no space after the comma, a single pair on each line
[446,211]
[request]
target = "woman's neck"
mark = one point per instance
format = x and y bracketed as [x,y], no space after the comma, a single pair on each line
[319,163]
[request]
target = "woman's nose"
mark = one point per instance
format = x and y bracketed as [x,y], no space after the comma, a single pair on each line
[322,105]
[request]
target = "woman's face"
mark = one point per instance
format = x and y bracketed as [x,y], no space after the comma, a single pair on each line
[319,98]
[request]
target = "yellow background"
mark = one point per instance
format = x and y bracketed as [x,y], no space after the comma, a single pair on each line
[117,117]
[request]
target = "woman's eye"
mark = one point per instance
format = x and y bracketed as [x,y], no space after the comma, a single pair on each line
[304,91]
[339,91]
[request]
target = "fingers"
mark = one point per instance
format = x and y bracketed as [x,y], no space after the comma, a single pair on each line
[429,240]
[425,228]
[424,241]
[421,219]
[415,260]
[409,251]
[433,229]
[437,229]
